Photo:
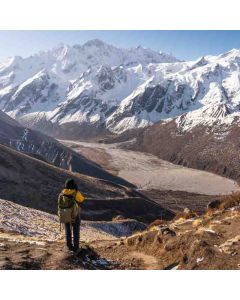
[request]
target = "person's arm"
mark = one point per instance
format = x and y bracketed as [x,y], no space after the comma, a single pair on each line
[59,201]
[79,197]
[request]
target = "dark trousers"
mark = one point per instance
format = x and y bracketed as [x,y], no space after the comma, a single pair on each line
[73,230]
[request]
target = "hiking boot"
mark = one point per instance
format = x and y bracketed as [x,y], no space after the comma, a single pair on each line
[70,248]
[77,251]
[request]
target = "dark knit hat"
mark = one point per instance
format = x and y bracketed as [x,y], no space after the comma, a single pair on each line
[71,184]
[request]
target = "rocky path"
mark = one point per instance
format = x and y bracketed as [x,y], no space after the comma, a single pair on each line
[17,254]
[210,241]
[31,239]
[149,262]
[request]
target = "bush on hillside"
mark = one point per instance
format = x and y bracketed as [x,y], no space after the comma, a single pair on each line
[185,216]
[157,222]
[230,201]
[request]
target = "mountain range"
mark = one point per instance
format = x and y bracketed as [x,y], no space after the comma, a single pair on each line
[74,84]
[102,86]
[187,112]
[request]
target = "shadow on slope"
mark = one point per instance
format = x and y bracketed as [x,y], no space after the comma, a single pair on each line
[36,184]
[36,143]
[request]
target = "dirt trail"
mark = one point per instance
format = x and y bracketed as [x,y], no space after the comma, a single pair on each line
[46,256]
[30,239]
[15,255]
[149,261]
[149,172]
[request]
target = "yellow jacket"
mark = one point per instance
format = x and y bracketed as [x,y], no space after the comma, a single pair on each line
[78,197]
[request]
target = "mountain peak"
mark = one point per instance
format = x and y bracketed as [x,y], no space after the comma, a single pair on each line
[233,53]
[61,50]
[94,42]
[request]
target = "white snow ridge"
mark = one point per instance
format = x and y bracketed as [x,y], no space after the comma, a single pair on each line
[120,89]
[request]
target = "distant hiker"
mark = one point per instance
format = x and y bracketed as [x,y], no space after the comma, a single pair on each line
[69,201]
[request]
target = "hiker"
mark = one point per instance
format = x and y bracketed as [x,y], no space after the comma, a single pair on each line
[69,201]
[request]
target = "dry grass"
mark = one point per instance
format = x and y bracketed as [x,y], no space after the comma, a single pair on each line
[157,222]
[197,222]
[226,202]
[185,216]
[230,201]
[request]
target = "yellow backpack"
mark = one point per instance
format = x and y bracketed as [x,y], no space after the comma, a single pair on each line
[68,209]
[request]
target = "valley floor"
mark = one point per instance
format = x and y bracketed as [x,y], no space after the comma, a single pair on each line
[148,172]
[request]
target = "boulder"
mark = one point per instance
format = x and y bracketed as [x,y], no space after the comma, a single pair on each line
[215,204]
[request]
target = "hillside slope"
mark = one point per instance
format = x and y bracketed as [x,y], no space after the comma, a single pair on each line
[199,148]
[36,184]
[208,242]
[31,239]
[40,145]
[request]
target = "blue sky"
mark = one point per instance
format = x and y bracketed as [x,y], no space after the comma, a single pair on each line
[185,45]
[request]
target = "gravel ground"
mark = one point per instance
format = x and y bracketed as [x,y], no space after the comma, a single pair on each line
[149,172]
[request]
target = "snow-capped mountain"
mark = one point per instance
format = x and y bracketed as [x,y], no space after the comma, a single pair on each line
[73,83]
[202,92]
[119,89]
